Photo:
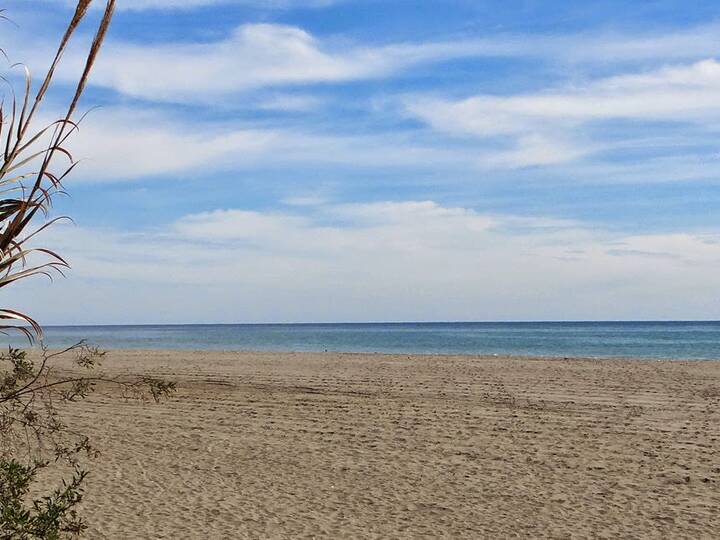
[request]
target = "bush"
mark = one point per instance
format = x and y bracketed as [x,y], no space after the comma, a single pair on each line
[50,517]
[33,436]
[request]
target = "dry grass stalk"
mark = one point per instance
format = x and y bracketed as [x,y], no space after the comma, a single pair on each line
[29,175]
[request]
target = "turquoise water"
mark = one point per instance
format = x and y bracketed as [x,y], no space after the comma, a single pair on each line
[691,340]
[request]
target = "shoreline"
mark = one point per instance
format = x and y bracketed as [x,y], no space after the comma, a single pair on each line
[478,357]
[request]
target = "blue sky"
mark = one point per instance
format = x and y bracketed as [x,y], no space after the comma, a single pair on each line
[352,160]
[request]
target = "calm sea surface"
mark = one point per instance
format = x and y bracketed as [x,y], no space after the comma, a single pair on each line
[692,340]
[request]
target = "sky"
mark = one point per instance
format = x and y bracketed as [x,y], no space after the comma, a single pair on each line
[367,160]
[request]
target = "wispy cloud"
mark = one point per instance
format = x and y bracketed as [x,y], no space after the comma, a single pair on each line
[255,55]
[133,143]
[683,93]
[540,123]
[267,55]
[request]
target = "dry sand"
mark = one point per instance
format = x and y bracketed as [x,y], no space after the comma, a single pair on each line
[376,446]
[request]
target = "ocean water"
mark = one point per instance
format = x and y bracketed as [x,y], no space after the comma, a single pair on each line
[662,340]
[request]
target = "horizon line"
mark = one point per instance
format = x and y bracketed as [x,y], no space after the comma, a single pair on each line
[315,323]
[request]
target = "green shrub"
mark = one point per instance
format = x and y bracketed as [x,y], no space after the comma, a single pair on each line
[49,517]
[33,436]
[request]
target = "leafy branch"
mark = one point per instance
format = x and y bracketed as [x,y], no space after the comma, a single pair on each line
[33,394]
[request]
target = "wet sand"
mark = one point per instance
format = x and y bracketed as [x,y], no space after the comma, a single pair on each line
[273,445]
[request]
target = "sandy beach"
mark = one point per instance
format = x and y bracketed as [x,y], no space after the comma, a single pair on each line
[280,445]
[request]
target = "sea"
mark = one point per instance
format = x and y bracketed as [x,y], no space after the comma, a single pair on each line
[658,340]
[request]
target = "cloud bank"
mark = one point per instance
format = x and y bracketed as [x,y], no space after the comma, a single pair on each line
[389,260]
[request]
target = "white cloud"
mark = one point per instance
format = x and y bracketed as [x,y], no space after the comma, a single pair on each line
[360,227]
[240,225]
[537,149]
[673,93]
[262,55]
[255,55]
[116,144]
[266,55]
[126,144]
[687,93]
[540,129]
[547,126]
[130,143]
[397,260]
